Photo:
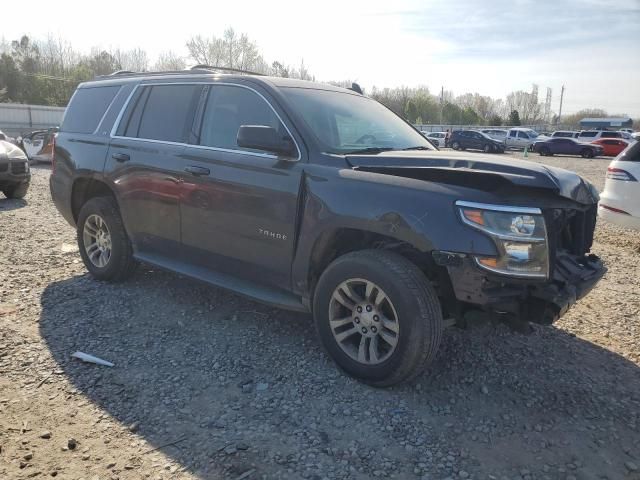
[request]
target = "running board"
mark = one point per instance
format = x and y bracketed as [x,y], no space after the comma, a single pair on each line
[269,295]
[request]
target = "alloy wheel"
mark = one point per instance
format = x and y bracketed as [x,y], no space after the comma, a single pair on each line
[363,321]
[96,239]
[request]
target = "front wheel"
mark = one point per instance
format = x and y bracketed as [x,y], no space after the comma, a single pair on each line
[455,146]
[16,191]
[377,316]
[587,153]
[486,148]
[102,240]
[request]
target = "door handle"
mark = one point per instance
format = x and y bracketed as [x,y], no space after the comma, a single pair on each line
[121,157]
[197,171]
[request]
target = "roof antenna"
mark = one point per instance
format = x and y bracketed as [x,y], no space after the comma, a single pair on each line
[356,88]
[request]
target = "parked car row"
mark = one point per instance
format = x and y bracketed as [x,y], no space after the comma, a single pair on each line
[588,143]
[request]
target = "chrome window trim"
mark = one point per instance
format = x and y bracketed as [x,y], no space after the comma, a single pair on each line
[205,147]
[499,208]
[104,115]
[116,124]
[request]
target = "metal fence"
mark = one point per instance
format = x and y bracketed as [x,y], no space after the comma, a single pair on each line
[18,118]
[444,128]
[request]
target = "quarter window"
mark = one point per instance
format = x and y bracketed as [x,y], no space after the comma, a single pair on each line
[227,109]
[87,108]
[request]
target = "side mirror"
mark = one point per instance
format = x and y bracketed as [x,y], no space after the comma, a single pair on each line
[262,137]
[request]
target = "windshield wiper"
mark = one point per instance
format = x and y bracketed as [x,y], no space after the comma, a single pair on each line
[368,150]
[417,148]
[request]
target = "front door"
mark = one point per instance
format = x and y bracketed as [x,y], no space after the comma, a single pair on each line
[144,165]
[239,205]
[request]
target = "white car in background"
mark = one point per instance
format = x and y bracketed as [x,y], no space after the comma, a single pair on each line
[620,200]
[521,138]
[437,138]
[33,142]
[496,133]
[591,135]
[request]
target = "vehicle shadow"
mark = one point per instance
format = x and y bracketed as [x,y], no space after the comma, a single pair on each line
[243,386]
[8,204]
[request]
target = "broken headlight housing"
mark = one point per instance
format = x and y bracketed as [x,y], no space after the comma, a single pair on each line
[520,236]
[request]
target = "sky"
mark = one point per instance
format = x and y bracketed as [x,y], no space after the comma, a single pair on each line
[592,47]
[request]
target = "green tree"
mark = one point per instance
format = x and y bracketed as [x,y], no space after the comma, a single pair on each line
[495,120]
[411,111]
[514,118]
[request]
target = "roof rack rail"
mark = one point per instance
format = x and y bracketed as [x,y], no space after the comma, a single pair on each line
[225,69]
[121,72]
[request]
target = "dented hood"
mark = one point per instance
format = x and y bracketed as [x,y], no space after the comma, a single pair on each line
[464,168]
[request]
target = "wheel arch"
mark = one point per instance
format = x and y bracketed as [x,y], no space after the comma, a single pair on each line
[86,188]
[334,243]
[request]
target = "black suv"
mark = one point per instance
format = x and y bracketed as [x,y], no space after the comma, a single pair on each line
[318,199]
[474,140]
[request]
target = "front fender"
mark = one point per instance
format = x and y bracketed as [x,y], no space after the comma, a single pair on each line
[420,213]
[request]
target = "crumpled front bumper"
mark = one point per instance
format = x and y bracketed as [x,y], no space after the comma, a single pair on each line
[536,301]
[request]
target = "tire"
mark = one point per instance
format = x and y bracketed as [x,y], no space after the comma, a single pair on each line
[119,264]
[16,191]
[486,148]
[455,146]
[586,153]
[406,294]
[544,151]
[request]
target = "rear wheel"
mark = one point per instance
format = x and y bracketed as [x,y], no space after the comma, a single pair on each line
[378,316]
[455,146]
[544,151]
[16,191]
[486,148]
[587,153]
[103,243]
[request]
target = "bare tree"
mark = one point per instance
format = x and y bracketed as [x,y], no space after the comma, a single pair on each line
[169,61]
[135,60]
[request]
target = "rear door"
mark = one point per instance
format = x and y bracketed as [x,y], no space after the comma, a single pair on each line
[477,140]
[239,205]
[144,164]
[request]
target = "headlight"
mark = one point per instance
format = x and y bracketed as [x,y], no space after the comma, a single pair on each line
[520,236]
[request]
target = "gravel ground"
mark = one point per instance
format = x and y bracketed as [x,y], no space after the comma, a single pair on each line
[209,385]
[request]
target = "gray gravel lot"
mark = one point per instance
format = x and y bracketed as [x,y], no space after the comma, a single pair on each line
[209,385]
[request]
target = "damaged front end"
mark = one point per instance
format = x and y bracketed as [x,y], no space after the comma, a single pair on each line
[539,274]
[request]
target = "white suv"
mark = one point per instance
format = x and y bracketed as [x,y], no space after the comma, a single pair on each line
[591,135]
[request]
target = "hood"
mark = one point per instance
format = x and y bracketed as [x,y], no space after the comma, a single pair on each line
[462,169]
[8,151]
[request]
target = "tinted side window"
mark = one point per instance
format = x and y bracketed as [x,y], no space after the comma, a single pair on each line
[588,134]
[229,107]
[168,112]
[87,108]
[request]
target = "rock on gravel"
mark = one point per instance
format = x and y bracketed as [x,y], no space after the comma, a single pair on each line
[210,385]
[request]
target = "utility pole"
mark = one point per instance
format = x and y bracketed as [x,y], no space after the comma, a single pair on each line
[441,102]
[561,97]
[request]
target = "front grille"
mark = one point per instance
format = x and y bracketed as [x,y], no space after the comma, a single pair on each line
[19,167]
[571,230]
[4,167]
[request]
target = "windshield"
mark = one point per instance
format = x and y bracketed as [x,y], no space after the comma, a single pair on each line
[345,123]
